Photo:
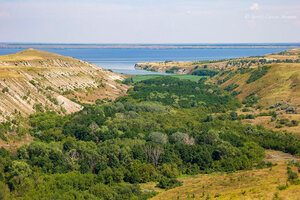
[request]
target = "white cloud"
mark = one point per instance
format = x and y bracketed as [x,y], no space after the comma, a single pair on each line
[254,6]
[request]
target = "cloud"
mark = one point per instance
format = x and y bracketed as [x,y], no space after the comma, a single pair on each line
[254,6]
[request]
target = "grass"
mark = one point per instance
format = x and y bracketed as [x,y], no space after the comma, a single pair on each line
[281,82]
[266,122]
[139,78]
[252,184]
[8,74]
[30,54]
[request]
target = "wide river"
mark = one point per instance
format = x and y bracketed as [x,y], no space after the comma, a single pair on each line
[123,59]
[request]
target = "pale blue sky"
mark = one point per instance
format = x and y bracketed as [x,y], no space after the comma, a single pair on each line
[150,21]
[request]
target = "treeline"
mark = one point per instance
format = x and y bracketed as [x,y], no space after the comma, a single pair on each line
[205,72]
[257,74]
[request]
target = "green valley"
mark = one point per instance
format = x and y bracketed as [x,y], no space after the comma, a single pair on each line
[169,137]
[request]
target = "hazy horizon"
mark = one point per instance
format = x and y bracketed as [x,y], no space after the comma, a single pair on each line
[166,43]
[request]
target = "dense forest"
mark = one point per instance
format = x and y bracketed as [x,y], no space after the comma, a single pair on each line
[165,127]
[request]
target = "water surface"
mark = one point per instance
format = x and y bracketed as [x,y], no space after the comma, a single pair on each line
[122,60]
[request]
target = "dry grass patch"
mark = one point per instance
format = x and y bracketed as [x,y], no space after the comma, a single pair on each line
[255,184]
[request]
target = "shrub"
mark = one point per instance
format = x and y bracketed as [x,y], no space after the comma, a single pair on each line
[245,110]
[168,183]
[292,175]
[278,126]
[4,90]
[250,116]
[283,187]
[32,82]
[293,123]
[168,171]
[99,101]
[233,115]
[38,107]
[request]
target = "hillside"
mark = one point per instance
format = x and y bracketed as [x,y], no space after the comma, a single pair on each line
[265,183]
[33,80]
[268,86]
[270,93]
[281,82]
[290,56]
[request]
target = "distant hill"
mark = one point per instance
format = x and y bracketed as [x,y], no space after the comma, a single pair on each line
[37,80]
[194,67]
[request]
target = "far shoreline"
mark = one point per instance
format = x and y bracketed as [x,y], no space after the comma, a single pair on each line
[152,46]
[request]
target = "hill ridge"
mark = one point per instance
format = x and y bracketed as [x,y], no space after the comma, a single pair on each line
[34,78]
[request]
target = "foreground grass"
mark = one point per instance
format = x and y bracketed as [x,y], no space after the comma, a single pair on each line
[252,184]
[139,78]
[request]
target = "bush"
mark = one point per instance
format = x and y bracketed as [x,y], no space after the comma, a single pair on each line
[4,90]
[38,107]
[292,175]
[283,187]
[245,110]
[250,116]
[32,82]
[168,183]
[293,123]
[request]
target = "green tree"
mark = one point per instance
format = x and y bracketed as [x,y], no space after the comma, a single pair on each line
[158,137]
[4,191]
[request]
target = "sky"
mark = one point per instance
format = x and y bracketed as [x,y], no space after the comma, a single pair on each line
[150,21]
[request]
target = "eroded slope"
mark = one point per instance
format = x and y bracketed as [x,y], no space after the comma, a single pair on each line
[31,80]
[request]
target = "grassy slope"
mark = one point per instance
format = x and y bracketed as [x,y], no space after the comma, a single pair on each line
[282,82]
[253,184]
